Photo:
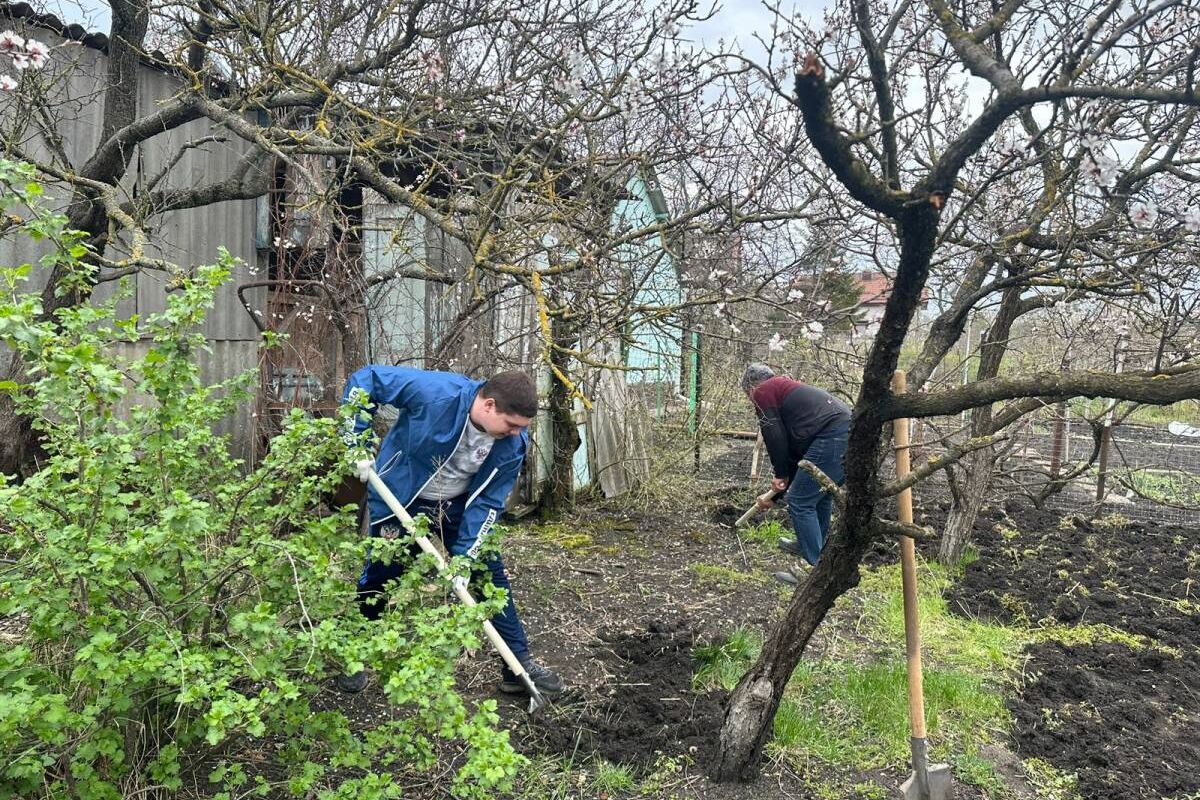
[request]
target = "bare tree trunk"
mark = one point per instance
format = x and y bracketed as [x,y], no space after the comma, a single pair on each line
[559,493]
[750,713]
[979,466]
[977,470]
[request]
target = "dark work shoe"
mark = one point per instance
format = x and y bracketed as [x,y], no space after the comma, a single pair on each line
[789,545]
[547,682]
[788,578]
[795,575]
[352,684]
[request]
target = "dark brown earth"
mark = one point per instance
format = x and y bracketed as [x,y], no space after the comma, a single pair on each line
[614,602]
[650,709]
[1125,720]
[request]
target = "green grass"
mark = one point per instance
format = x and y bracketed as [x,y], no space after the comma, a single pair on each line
[848,710]
[857,716]
[723,577]
[1049,782]
[1166,485]
[767,532]
[613,778]
[722,664]
[561,778]
[948,641]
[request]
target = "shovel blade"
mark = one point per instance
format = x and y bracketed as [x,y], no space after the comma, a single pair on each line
[938,783]
[536,700]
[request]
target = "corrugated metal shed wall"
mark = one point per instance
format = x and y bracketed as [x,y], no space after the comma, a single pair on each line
[186,237]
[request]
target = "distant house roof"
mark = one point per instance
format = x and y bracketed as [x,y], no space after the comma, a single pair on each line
[875,287]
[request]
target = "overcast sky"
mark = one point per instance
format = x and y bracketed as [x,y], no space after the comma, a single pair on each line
[736,19]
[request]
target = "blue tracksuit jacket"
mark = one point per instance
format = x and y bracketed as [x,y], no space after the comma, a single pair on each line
[433,417]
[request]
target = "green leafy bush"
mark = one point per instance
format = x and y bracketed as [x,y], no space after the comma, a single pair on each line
[181,615]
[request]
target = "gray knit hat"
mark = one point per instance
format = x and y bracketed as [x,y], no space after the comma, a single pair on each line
[755,374]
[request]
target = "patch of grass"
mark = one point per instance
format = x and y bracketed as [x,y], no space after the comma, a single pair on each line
[857,716]
[975,769]
[1007,533]
[567,537]
[1095,634]
[848,716]
[560,778]
[1114,522]
[949,641]
[722,664]
[723,577]
[613,778]
[767,532]
[547,778]
[969,556]
[1165,485]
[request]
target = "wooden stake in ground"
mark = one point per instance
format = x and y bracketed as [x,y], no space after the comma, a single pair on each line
[928,781]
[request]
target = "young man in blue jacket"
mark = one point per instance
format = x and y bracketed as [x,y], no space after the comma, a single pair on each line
[453,454]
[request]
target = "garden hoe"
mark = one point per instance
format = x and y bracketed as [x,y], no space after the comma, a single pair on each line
[536,701]
[928,781]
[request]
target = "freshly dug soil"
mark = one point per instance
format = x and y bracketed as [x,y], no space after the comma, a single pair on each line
[650,709]
[1125,720]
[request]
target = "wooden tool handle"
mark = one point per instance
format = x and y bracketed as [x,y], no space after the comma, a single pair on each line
[908,572]
[461,591]
[750,512]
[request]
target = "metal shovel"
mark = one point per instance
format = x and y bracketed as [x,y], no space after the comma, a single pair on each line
[536,701]
[927,781]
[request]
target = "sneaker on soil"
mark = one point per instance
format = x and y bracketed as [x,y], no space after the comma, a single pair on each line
[788,578]
[789,545]
[352,684]
[546,681]
[793,576]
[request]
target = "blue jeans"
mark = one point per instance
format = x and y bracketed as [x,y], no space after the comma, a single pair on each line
[809,505]
[445,517]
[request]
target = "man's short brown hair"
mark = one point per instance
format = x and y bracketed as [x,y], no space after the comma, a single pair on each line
[513,392]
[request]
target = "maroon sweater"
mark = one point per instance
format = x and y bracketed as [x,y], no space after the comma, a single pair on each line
[791,414]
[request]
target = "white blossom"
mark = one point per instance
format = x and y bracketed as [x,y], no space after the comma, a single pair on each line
[434,68]
[813,330]
[38,52]
[1100,170]
[11,43]
[1143,214]
[1191,218]
[795,296]
[777,343]
[7,83]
